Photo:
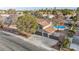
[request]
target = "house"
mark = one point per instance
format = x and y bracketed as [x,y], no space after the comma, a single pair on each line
[45,26]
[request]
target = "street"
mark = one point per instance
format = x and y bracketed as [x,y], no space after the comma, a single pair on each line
[7,43]
[12,43]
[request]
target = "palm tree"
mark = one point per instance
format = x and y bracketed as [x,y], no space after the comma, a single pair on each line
[70,33]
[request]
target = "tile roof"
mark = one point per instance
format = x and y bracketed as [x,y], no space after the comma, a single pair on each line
[50,30]
[43,22]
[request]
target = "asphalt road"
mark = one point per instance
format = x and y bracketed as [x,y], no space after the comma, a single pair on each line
[12,43]
[8,43]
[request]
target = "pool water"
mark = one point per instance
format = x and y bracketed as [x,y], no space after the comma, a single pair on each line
[62,27]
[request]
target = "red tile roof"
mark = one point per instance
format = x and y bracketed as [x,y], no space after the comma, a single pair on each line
[50,30]
[43,22]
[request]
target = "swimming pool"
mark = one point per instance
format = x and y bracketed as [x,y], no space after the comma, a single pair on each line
[59,27]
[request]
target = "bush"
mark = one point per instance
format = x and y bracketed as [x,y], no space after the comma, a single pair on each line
[66,43]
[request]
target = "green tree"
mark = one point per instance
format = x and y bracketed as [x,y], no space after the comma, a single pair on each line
[54,12]
[77,13]
[67,11]
[27,23]
[26,12]
[37,14]
[77,9]
[11,11]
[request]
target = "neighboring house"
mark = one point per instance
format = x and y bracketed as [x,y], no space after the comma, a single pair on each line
[68,16]
[4,17]
[8,19]
[49,16]
[45,16]
[68,21]
[14,18]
